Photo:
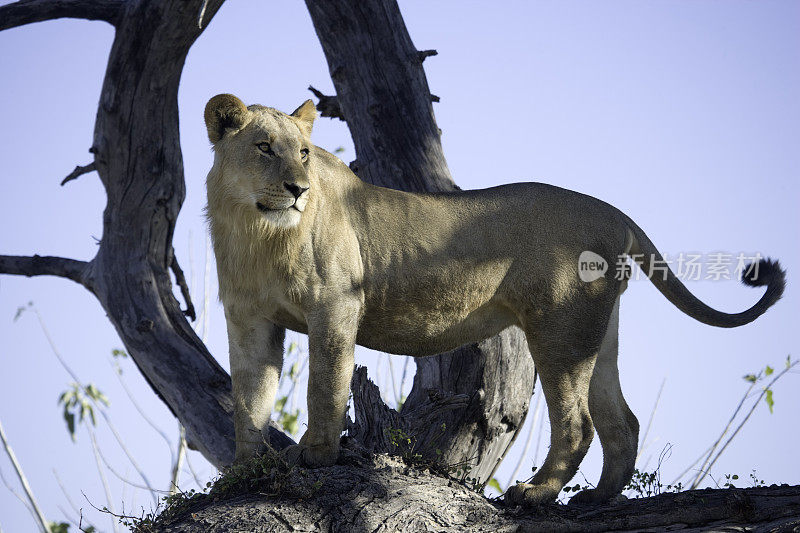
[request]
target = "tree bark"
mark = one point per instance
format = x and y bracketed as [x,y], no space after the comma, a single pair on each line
[382,93]
[382,493]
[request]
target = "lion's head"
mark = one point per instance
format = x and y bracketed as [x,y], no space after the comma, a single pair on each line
[262,158]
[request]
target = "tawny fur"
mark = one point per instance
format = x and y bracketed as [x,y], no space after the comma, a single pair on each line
[302,243]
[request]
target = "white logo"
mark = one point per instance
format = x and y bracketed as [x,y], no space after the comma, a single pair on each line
[591,266]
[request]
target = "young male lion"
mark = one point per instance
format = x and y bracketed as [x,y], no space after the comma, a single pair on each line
[302,243]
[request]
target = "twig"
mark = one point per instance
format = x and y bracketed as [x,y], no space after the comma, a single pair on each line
[78,172]
[176,469]
[67,515]
[17,495]
[75,508]
[691,466]
[193,472]
[180,279]
[128,453]
[650,420]
[705,469]
[513,478]
[109,499]
[147,419]
[43,524]
[125,480]
[721,436]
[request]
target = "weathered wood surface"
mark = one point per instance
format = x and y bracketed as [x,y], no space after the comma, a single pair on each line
[382,494]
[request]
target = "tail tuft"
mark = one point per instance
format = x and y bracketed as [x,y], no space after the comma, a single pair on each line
[766,272]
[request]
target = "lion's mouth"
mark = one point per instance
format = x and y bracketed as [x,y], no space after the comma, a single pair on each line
[264,209]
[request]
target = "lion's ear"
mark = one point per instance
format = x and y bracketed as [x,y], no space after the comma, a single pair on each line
[305,115]
[224,112]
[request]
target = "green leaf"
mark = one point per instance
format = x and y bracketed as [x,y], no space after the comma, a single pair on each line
[788,361]
[294,370]
[751,378]
[119,353]
[95,394]
[280,403]
[288,421]
[769,370]
[495,485]
[70,419]
[768,399]
[735,476]
[59,527]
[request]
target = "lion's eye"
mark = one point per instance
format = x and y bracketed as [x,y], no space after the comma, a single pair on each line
[264,147]
[304,153]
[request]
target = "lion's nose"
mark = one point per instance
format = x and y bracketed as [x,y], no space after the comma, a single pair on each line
[295,189]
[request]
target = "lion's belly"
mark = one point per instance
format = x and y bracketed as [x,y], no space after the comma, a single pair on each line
[410,330]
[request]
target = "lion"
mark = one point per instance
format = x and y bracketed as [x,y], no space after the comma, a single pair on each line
[302,243]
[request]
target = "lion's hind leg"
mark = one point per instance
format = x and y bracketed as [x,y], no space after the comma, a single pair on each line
[616,425]
[565,372]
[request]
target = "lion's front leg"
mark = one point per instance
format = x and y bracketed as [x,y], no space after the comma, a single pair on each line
[256,357]
[331,341]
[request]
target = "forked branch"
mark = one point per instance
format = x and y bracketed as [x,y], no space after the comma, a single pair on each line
[38,265]
[30,11]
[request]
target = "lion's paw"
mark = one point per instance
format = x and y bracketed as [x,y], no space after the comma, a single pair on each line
[311,456]
[529,495]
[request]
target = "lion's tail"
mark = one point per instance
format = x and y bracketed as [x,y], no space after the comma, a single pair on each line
[766,272]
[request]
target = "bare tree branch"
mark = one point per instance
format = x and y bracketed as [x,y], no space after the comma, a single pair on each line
[37,265]
[424,54]
[30,11]
[78,172]
[180,279]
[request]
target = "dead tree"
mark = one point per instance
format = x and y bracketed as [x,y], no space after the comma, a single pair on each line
[477,395]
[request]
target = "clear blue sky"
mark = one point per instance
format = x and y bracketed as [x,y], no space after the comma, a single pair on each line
[683,114]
